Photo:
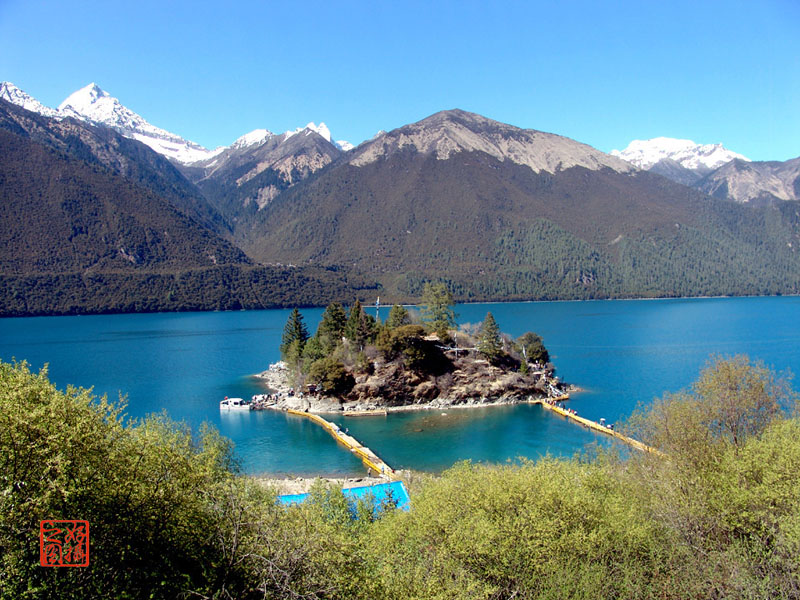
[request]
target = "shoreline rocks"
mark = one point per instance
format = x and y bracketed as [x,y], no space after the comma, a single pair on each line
[390,389]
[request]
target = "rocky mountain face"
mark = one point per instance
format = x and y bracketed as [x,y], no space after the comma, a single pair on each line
[96,106]
[754,182]
[249,174]
[235,179]
[61,214]
[448,133]
[501,212]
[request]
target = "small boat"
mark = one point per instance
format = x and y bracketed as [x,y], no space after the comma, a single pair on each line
[234,404]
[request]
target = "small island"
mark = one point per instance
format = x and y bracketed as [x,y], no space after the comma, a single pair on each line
[414,360]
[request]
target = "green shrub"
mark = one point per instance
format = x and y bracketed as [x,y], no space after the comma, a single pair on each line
[332,376]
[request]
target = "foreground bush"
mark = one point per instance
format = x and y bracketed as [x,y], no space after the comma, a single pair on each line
[717,516]
[168,517]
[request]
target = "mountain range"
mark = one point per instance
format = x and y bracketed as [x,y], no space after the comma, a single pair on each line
[683,161]
[104,212]
[715,170]
[96,106]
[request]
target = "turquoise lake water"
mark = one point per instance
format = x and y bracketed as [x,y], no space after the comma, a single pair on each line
[619,352]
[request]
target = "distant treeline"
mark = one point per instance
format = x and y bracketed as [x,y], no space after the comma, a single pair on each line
[546,262]
[229,287]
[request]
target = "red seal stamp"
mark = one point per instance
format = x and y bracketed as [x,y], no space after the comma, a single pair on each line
[64,543]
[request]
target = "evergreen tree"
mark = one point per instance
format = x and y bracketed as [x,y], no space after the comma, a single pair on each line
[398,316]
[437,309]
[490,344]
[353,328]
[312,351]
[361,328]
[294,331]
[331,326]
[533,349]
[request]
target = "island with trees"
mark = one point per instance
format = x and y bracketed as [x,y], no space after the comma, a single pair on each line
[415,359]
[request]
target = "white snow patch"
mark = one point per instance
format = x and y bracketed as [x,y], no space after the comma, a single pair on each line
[254,138]
[14,95]
[690,155]
[321,129]
[344,145]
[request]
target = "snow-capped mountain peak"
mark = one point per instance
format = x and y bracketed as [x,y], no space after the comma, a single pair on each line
[690,155]
[324,132]
[321,129]
[93,104]
[255,137]
[14,95]
[344,145]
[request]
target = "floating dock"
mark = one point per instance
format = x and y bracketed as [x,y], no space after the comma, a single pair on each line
[593,424]
[367,456]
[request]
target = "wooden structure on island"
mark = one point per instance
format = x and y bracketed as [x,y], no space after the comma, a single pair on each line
[367,456]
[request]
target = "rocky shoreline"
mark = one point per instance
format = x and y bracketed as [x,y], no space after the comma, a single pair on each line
[283,397]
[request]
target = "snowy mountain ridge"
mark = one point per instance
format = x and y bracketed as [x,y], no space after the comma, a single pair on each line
[323,131]
[688,154]
[254,138]
[11,93]
[96,106]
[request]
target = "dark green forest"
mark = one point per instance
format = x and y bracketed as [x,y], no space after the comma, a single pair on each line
[230,287]
[716,516]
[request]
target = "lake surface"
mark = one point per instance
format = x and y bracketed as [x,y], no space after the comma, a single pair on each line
[620,352]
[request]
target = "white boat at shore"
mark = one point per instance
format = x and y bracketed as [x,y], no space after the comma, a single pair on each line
[234,404]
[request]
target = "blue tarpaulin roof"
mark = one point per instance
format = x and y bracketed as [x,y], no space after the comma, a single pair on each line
[380,493]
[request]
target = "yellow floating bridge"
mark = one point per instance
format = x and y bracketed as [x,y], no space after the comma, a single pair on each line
[367,456]
[593,424]
[374,463]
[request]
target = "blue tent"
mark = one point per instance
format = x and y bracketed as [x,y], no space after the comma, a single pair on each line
[381,493]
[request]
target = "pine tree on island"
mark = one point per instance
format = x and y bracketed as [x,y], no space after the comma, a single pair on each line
[490,344]
[398,316]
[331,327]
[295,336]
[437,310]
[360,326]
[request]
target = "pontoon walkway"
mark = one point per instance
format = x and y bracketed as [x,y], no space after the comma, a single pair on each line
[594,425]
[368,457]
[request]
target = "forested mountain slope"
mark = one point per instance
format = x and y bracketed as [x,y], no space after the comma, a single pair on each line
[93,222]
[503,213]
[125,157]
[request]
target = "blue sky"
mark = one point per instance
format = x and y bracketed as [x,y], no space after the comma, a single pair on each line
[603,73]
